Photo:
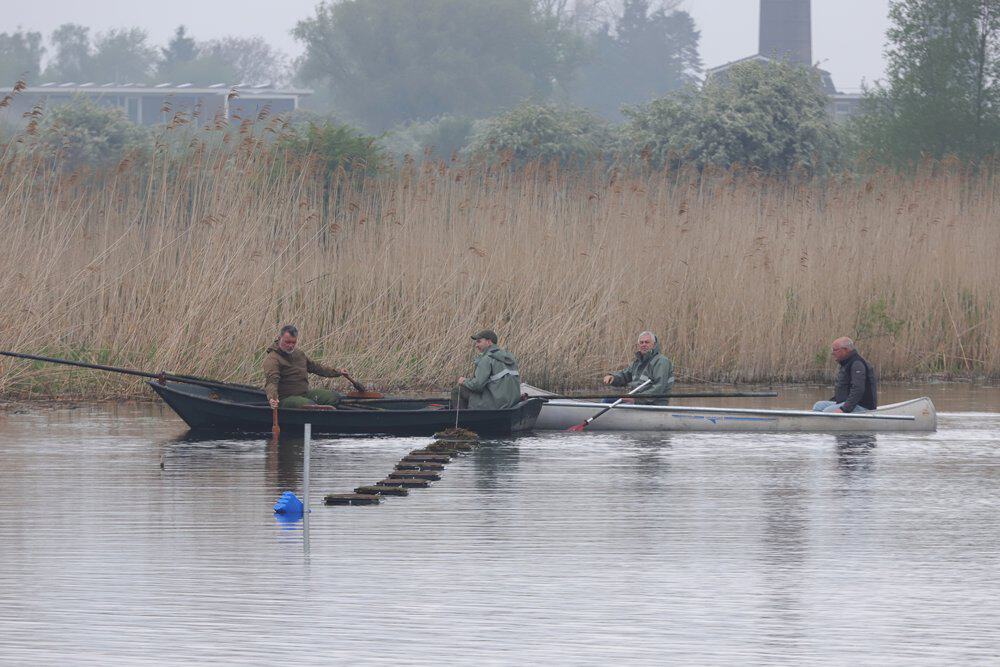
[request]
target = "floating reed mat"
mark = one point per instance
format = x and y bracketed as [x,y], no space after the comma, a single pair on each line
[382,490]
[406,482]
[416,470]
[425,458]
[351,499]
[420,465]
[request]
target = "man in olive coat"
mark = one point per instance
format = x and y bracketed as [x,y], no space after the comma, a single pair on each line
[495,383]
[649,364]
[286,374]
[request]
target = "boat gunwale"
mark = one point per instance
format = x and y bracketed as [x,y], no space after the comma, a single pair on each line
[746,411]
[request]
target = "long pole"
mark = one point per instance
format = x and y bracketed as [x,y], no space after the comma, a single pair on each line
[189,379]
[570,397]
[306,446]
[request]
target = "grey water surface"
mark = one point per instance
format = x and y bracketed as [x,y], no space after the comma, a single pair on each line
[545,549]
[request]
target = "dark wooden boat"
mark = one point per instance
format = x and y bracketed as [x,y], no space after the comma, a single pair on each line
[245,410]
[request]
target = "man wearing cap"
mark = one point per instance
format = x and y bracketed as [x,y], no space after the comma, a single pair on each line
[286,374]
[649,364]
[496,382]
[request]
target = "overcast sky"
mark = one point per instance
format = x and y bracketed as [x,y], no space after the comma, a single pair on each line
[848,35]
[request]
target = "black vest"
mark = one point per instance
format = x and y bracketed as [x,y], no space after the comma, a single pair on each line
[869,399]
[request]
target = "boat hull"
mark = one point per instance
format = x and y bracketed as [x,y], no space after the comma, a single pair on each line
[558,415]
[246,411]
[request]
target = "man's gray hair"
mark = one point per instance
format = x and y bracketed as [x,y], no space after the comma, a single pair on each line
[649,333]
[289,329]
[844,343]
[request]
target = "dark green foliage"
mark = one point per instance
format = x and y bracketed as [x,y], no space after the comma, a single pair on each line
[20,57]
[942,94]
[439,139]
[533,132]
[648,54]
[83,132]
[769,116]
[334,145]
[393,61]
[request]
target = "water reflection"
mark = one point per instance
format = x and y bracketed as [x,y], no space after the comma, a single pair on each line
[495,462]
[283,462]
[855,452]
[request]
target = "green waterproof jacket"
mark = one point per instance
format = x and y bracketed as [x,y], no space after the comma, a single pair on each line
[496,383]
[287,373]
[650,366]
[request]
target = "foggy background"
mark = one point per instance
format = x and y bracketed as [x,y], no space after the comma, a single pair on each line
[848,35]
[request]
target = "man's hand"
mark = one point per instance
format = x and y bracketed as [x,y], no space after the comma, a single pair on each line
[608,379]
[461,380]
[838,410]
[342,371]
[628,400]
[273,402]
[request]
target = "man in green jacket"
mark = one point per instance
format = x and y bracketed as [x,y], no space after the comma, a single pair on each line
[286,374]
[496,382]
[649,364]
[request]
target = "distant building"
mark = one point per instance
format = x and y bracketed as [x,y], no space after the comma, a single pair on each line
[786,34]
[153,104]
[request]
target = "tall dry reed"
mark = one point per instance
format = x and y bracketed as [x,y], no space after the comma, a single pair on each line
[190,264]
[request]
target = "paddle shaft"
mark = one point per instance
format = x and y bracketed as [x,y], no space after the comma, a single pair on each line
[585,424]
[734,394]
[128,371]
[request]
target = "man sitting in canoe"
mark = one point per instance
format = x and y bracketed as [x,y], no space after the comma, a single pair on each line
[649,364]
[286,374]
[495,383]
[856,388]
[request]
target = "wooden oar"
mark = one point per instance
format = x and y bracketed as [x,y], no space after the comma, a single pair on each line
[690,394]
[188,379]
[580,427]
[275,429]
[360,391]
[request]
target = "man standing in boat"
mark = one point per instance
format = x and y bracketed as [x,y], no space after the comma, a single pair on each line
[855,390]
[649,364]
[495,383]
[286,374]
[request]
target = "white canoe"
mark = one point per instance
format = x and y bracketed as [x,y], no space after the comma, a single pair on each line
[559,414]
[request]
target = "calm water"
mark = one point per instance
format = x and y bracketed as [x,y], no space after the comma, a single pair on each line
[551,549]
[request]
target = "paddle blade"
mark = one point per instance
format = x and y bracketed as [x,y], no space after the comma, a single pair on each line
[365,394]
[578,427]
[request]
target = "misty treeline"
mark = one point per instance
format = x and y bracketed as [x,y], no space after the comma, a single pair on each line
[125,55]
[617,80]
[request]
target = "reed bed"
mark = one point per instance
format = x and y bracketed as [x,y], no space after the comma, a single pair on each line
[191,263]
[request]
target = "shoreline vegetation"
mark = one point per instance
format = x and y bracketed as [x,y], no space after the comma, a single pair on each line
[189,259]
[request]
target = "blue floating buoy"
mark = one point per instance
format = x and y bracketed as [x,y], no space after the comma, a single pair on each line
[289,506]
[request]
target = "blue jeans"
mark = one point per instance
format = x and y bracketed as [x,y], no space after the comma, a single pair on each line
[831,406]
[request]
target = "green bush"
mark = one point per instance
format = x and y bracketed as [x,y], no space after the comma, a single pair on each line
[84,132]
[438,139]
[532,132]
[767,115]
[335,145]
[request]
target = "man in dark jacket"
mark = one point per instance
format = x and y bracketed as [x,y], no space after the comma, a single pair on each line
[649,364]
[286,374]
[856,389]
[495,383]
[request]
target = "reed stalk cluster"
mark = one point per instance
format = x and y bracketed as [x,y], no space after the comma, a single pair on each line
[190,263]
